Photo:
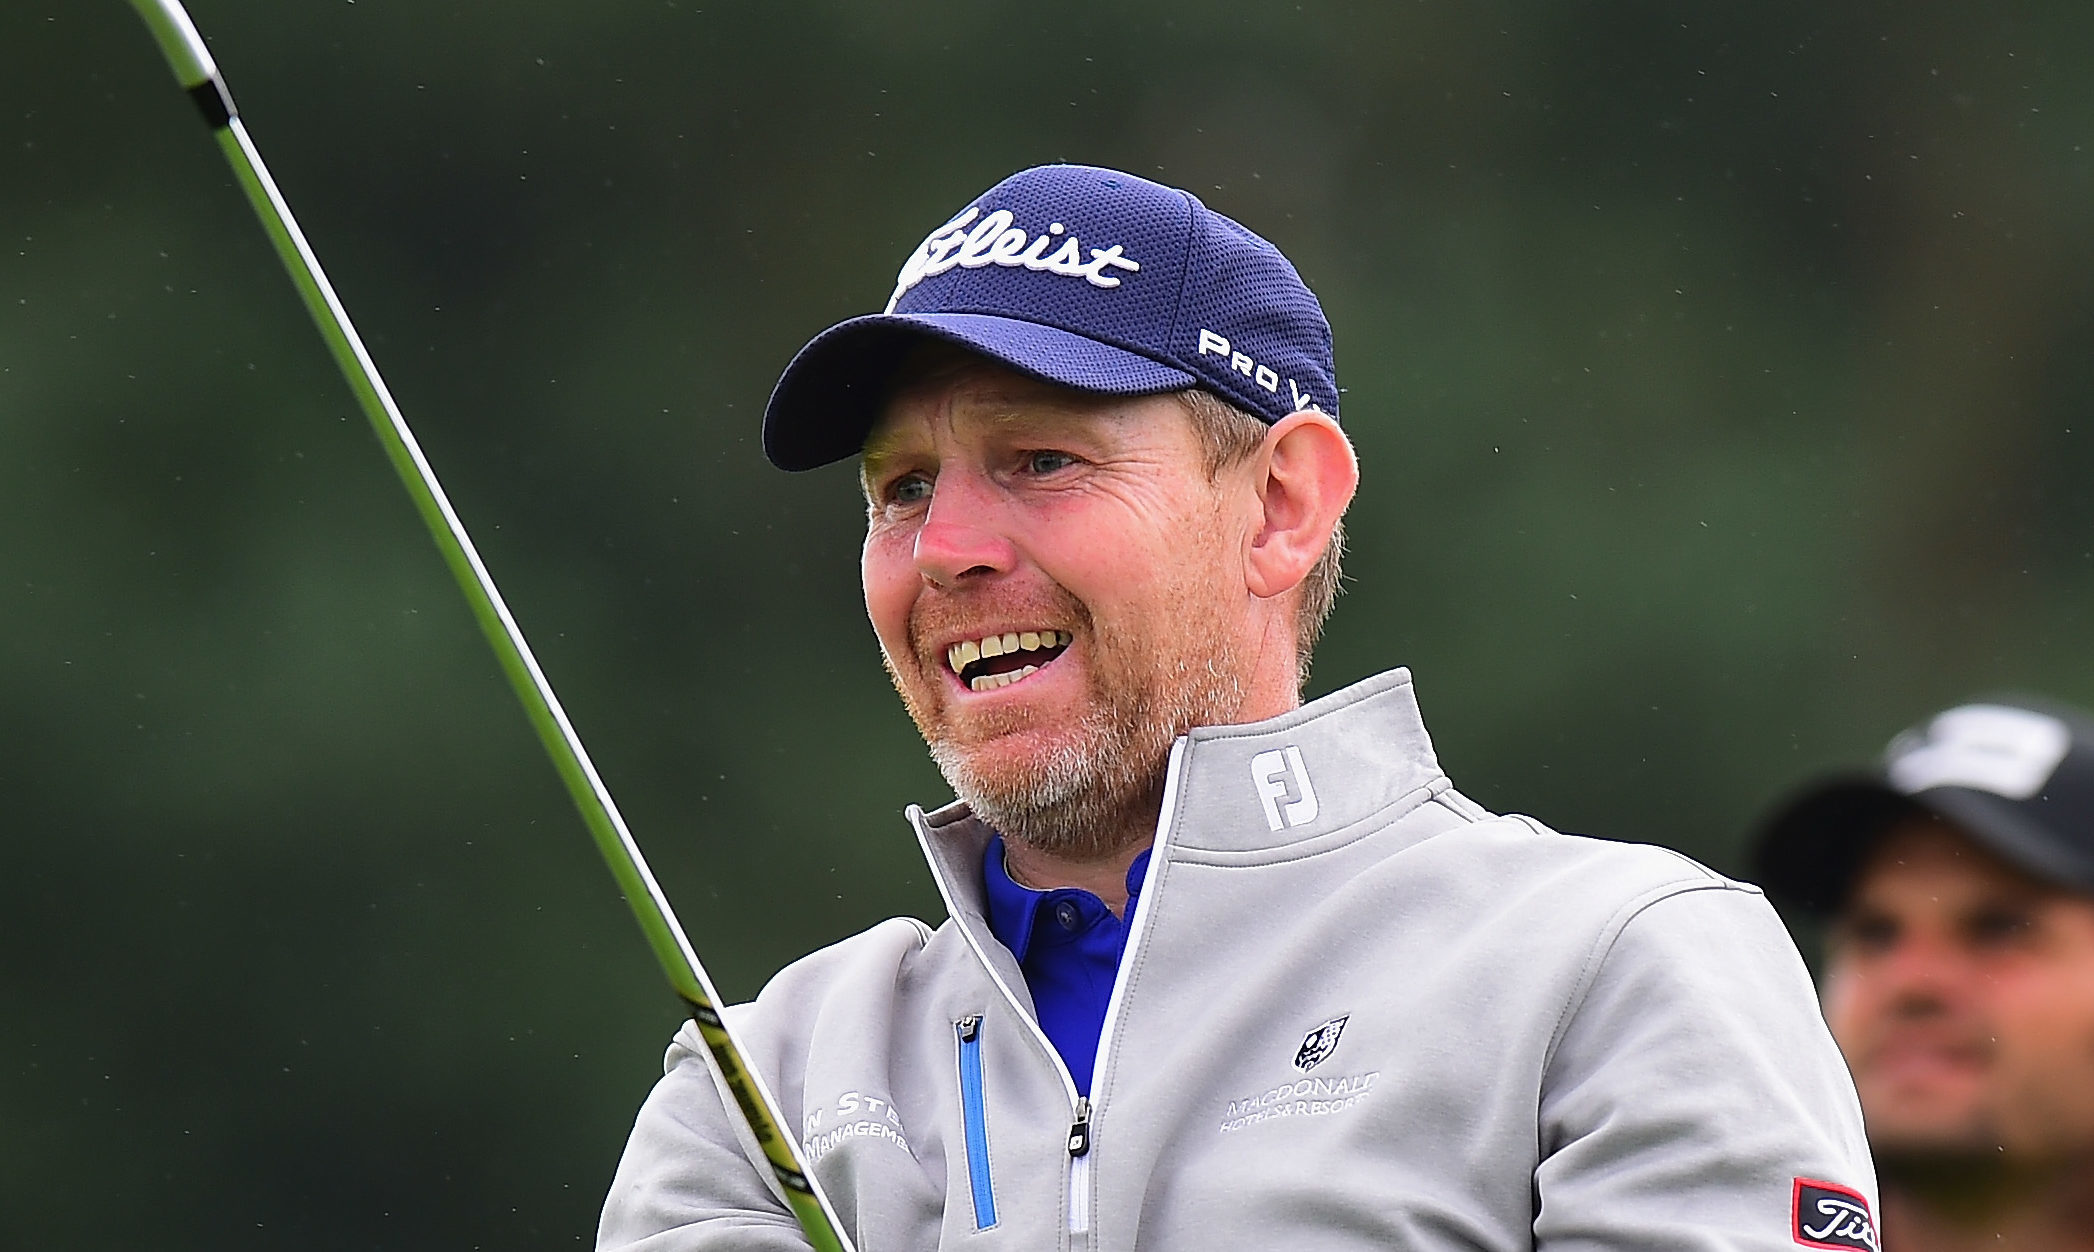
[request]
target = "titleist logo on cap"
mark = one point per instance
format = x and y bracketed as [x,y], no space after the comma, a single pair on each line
[1092,279]
[994,240]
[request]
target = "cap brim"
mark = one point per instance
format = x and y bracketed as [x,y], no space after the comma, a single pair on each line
[1809,853]
[830,396]
[2003,826]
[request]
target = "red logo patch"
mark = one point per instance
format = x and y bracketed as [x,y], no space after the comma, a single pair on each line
[1827,1215]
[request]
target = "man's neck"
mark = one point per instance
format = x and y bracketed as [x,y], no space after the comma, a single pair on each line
[2043,1210]
[1104,877]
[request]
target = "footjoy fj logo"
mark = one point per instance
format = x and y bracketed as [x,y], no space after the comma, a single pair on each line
[1828,1215]
[1320,1043]
[1272,772]
[995,241]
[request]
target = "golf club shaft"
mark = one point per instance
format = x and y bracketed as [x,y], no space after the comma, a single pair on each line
[194,69]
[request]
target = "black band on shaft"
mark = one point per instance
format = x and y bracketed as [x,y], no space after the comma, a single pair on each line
[214,102]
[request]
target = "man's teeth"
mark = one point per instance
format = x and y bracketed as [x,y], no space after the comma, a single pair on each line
[990,682]
[962,655]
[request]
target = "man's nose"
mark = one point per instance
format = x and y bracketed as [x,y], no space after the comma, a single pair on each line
[1922,973]
[962,536]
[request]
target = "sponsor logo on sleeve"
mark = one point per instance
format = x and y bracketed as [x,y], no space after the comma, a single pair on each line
[1827,1215]
[855,1115]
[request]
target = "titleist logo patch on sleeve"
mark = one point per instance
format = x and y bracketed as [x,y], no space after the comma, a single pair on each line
[1827,1215]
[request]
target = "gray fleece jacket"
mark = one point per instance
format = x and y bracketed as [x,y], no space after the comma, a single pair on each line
[1356,1011]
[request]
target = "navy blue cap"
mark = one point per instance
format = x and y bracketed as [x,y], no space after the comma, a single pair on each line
[2015,775]
[1086,277]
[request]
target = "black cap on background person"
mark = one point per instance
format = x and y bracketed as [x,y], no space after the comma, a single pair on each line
[2015,775]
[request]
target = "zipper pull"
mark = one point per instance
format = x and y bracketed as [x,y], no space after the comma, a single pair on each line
[1080,1132]
[970,1026]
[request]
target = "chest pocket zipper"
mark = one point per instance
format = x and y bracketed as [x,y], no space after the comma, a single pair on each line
[975,1120]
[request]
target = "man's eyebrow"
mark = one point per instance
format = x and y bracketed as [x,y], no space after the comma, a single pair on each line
[883,445]
[869,463]
[1045,421]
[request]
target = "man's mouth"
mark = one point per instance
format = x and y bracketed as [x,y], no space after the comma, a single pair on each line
[1906,1055]
[994,661]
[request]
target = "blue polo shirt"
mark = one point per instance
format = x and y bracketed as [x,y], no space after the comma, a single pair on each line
[1069,945]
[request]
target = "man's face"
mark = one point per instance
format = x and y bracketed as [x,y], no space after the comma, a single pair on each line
[1962,992]
[1087,527]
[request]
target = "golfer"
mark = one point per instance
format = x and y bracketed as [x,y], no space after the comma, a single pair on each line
[1221,969]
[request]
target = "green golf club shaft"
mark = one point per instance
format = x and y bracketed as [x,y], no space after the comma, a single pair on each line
[195,71]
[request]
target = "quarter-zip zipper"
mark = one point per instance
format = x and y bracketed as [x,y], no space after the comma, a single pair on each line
[1137,930]
[1078,1197]
[1081,1112]
[1080,1132]
[1080,1168]
[975,1120]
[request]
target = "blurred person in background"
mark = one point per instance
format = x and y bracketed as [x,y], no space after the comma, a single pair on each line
[1956,889]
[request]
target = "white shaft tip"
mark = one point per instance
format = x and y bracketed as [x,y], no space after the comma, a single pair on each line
[179,42]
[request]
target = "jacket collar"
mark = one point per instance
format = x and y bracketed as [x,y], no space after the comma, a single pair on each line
[1246,792]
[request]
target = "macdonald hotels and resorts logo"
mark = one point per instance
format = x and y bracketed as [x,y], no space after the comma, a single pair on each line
[1320,1043]
[1304,1096]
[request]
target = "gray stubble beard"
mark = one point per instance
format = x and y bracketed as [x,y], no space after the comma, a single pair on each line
[1100,790]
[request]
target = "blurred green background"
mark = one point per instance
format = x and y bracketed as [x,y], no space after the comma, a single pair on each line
[1720,375]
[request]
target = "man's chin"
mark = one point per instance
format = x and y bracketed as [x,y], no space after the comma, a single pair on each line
[1917,1146]
[1063,794]
[1013,763]
[1939,1167]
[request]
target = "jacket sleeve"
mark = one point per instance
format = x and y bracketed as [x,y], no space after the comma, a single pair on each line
[688,1182]
[1692,1084]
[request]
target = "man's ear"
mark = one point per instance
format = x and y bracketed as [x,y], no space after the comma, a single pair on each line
[1306,475]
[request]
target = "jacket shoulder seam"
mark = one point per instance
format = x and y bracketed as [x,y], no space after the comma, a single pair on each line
[1610,933]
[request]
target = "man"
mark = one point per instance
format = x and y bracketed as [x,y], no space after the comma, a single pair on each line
[1958,888]
[1222,970]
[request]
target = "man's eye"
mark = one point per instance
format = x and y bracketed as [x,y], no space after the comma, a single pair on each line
[911,489]
[1869,932]
[1999,925]
[1047,462]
